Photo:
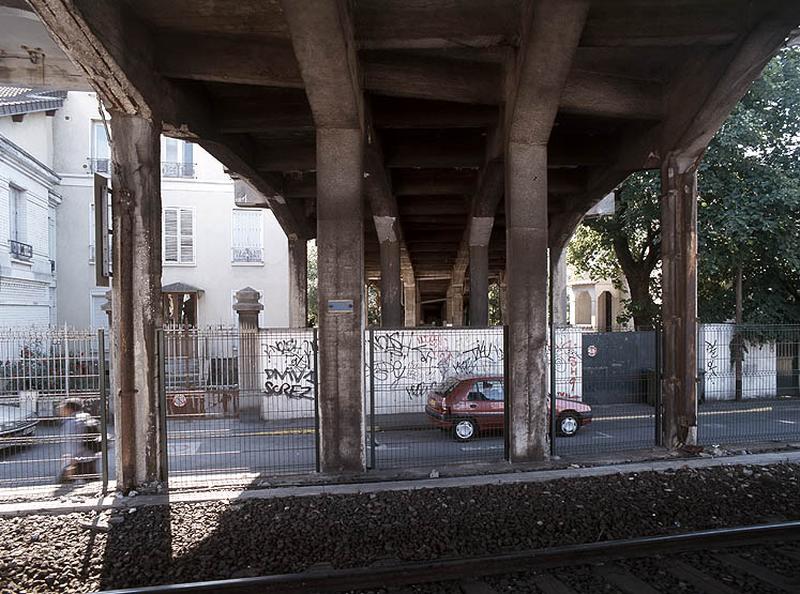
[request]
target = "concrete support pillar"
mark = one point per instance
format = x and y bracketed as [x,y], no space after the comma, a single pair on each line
[455,305]
[410,298]
[503,287]
[560,301]
[298,283]
[480,231]
[340,240]
[247,308]
[526,272]
[136,294]
[391,285]
[679,282]
[479,285]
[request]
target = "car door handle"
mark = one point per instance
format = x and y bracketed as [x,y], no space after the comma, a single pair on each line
[473,406]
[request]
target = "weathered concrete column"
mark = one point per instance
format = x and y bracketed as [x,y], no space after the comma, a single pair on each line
[136,294]
[410,299]
[526,271]
[247,308]
[479,285]
[679,286]
[391,285]
[503,287]
[298,283]
[559,269]
[455,305]
[340,240]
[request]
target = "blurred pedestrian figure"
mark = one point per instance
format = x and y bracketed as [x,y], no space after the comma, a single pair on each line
[80,434]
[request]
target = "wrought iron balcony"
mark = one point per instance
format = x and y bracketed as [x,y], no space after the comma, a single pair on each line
[247,255]
[21,251]
[100,165]
[177,169]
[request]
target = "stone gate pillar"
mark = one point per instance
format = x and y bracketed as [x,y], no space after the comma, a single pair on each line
[247,308]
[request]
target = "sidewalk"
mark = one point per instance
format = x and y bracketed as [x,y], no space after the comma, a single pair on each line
[100,503]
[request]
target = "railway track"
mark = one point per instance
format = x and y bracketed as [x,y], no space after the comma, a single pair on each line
[615,563]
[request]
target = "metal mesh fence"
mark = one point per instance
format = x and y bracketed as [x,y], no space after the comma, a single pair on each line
[434,396]
[748,384]
[606,391]
[239,403]
[43,442]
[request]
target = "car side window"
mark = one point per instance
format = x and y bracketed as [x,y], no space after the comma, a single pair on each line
[493,391]
[476,392]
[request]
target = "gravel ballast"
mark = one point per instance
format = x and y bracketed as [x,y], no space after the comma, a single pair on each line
[82,552]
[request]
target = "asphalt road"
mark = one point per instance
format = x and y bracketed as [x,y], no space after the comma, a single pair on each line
[204,446]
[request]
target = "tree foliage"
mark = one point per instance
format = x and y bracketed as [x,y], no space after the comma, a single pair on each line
[748,213]
[749,205]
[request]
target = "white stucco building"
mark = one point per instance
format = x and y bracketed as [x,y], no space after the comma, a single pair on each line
[29,196]
[210,248]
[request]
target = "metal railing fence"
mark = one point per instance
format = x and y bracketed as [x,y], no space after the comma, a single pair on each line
[40,369]
[748,383]
[423,407]
[607,391]
[238,403]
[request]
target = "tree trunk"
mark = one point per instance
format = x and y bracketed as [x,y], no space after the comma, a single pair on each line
[639,286]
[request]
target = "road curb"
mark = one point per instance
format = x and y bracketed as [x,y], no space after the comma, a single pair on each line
[95,504]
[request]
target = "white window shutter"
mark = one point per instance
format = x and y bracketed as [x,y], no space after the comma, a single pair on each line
[171,235]
[187,236]
[247,236]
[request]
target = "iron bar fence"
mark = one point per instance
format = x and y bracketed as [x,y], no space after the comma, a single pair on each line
[239,403]
[40,369]
[748,383]
[436,396]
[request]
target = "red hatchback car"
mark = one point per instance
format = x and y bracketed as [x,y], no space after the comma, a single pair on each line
[476,404]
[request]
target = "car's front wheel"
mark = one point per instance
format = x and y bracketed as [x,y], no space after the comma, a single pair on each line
[568,424]
[464,429]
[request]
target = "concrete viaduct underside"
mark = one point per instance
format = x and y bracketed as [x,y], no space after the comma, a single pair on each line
[433,145]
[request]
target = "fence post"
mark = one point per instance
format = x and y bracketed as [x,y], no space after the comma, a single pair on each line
[658,404]
[247,307]
[103,389]
[506,399]
[316,401]
[161,370]
[372,398]
[66,361]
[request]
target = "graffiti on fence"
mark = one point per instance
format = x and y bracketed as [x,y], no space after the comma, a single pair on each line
[416,362]
[288,365]
[759,368]
[568,365]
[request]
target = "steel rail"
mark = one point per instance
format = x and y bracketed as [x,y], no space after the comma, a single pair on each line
[440,570]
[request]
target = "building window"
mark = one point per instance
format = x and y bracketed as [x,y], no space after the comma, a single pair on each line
[101,154]
[18,224]
[178,158]
[92,230]
[247,237]
[178,246]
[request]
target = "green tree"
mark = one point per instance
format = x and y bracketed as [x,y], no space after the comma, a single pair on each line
[626,244]
[749,204]
[748,214]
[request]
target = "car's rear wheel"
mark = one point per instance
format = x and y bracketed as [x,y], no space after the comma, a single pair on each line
[568,424]
[465,429]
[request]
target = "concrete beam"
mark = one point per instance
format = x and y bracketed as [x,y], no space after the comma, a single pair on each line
[551,31]
[115,51]
[679,303]
[136,295]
